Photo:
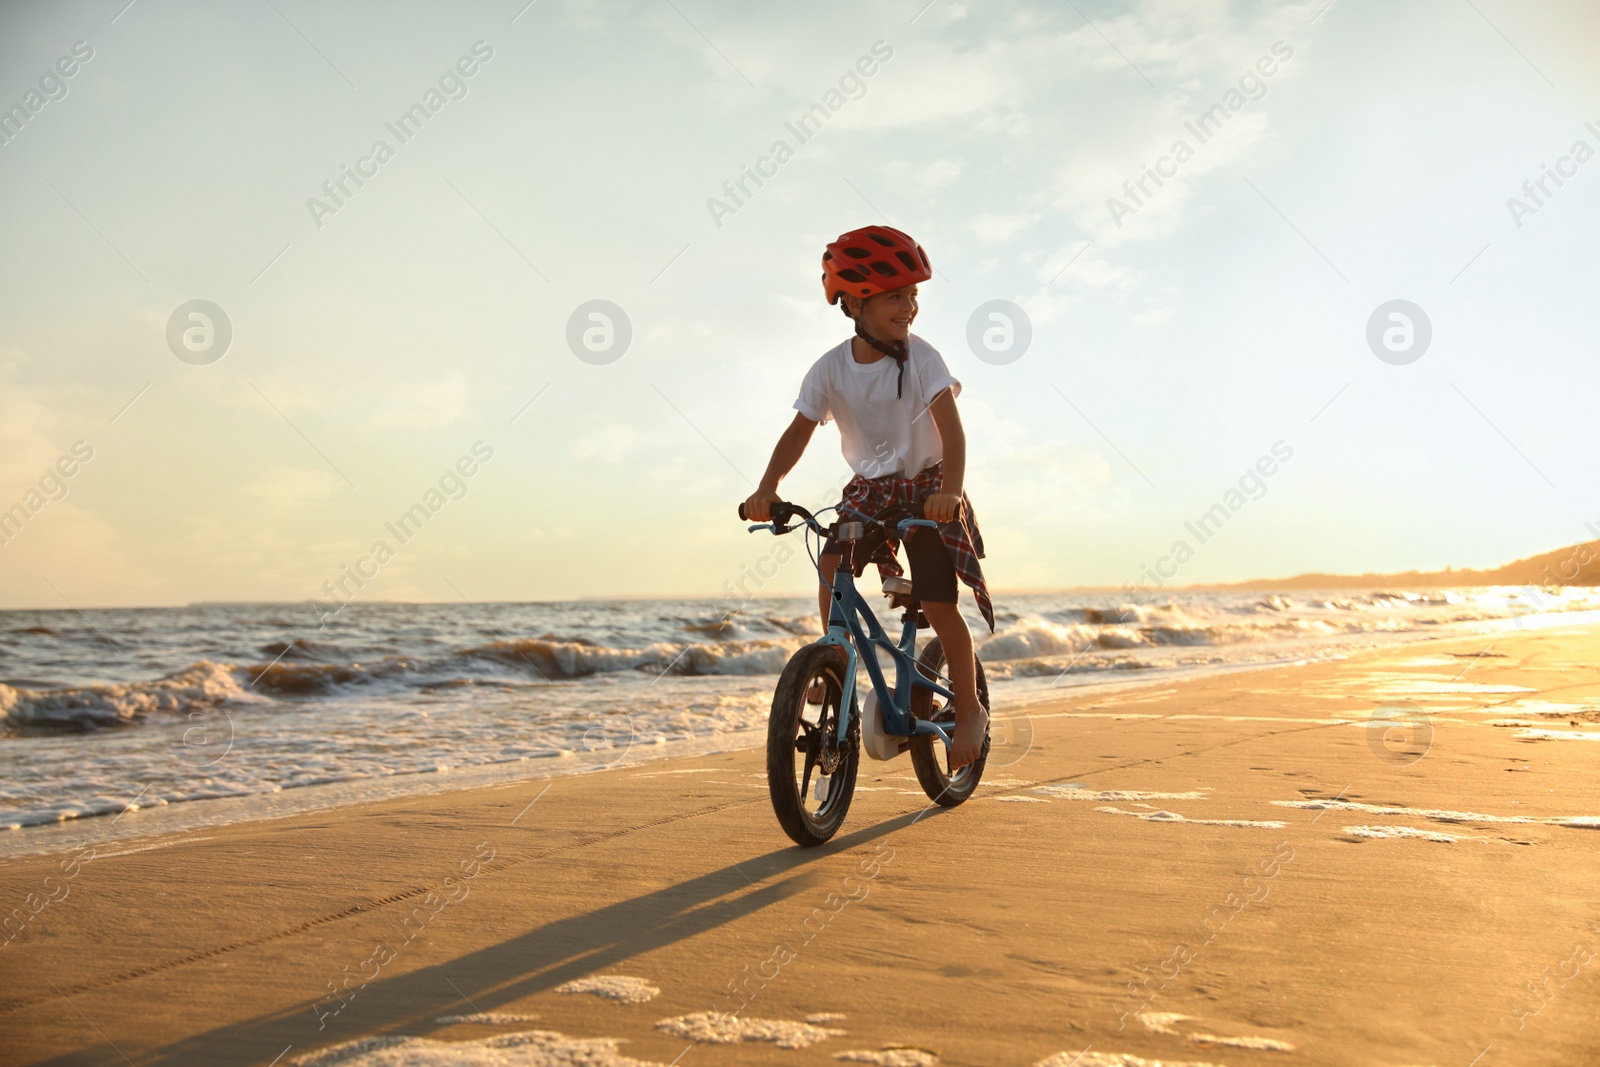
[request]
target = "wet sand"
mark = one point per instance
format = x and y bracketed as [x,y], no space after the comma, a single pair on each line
[1234,870]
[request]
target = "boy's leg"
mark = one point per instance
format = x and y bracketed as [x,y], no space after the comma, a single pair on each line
[933,576]
[971,719]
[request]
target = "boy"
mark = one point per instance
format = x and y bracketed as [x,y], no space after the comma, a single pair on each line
[894,400]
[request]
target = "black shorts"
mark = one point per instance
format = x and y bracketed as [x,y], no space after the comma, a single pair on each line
[933,573]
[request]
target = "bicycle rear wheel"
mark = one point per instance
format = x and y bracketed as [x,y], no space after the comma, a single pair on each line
[927,751]
[802,748]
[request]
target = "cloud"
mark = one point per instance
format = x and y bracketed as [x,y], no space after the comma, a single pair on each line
[69,551]
[414,402]
[420,405]
[932,174]
[1149,211]
[931,82]
[289,487]
[1002,80]
[1012,461]
[32,435]
[1151,318]
[618,443]
[992,229]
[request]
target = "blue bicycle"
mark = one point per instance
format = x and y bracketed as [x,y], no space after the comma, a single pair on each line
[826,738]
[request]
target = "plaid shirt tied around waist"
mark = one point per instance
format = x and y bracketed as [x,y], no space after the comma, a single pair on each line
[870,497]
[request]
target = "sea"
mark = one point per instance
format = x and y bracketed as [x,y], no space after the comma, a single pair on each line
[129,721]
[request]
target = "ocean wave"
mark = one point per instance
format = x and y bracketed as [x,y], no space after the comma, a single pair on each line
[739,625]
[288,679]
[76,709]
[1037,637]
[1034,636]
[303,648]
[1057,666]
[38,709]
[553,659]
[549,658]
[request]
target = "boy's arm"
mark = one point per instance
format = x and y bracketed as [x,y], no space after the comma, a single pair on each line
[790,447]
[941,507]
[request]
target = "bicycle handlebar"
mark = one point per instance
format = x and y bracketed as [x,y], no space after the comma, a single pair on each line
[783,511]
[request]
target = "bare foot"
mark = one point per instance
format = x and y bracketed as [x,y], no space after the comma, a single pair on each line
[972,724]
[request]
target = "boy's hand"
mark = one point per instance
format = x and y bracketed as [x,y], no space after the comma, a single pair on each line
[941,507]
[758,508]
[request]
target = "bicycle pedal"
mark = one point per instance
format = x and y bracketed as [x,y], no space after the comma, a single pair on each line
[821,788]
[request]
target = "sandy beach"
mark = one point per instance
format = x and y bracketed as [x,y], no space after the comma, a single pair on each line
[431,432]
[1238,869]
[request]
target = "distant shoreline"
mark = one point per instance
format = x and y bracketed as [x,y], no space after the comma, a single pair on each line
[1575,565]
[1296,584]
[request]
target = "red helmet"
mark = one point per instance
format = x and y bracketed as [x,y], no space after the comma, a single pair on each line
[873,259]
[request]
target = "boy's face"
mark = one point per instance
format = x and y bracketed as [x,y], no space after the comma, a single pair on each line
[888,316]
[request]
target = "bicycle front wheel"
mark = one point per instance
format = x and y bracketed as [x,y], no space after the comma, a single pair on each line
[802,748]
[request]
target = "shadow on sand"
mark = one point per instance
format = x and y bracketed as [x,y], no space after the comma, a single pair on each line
[495,976]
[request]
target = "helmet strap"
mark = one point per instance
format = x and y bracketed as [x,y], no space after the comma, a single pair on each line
[895,350]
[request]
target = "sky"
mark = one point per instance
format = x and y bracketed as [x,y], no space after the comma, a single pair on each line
[424,338]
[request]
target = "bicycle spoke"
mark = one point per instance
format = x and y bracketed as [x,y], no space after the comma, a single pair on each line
[805,745]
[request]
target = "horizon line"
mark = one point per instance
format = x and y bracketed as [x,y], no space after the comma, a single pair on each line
[1266,585]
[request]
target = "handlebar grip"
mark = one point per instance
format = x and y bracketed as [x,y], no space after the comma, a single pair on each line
[780,512]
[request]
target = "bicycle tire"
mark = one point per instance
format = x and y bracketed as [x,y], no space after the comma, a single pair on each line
[927,751]
[788,780]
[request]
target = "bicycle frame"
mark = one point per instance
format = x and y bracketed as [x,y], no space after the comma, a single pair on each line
[845,632]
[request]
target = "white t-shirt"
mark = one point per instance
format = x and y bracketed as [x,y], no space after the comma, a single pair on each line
[879,434]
